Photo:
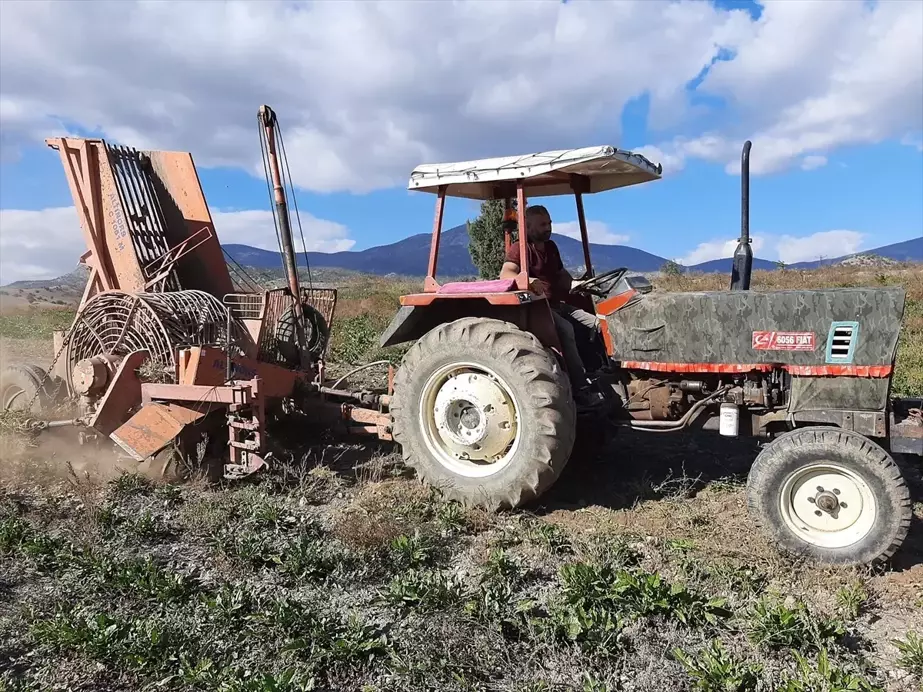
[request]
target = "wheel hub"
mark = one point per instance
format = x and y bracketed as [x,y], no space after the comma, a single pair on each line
[826,502]
[469,419]
[474,417]
[828,505]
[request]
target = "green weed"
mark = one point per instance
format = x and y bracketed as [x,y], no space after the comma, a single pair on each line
[597,602]
[424,589]
[851,599]
[823,675]
[910,653]
[775,626]
[714,670]
[35,324]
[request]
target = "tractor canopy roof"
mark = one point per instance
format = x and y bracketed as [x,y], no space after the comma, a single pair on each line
[562,172]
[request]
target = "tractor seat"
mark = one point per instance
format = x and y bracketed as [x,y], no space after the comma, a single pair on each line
[491,286]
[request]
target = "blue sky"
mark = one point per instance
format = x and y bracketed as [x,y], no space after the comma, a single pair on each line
[829,176]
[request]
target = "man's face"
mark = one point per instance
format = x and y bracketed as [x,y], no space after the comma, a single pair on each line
[538,227]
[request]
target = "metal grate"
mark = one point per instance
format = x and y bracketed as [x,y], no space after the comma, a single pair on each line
[324,300]
[143,212]
[841,344]
[245,306]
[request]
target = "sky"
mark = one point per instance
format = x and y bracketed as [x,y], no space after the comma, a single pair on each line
[830,93]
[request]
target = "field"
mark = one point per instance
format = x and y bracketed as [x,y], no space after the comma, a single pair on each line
[336,570]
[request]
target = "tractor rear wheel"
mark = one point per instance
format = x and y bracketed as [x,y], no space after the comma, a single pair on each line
[831,495]
[484,412]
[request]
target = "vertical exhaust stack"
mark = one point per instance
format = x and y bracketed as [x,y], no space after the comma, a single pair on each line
[743,255]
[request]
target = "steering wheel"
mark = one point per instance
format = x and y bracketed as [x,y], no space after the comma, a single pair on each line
[593,284]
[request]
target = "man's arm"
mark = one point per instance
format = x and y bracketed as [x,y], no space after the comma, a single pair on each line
[509,270]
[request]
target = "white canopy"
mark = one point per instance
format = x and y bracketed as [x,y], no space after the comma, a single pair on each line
[544,174]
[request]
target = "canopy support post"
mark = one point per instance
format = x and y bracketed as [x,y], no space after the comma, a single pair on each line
[522,280]
[430,285]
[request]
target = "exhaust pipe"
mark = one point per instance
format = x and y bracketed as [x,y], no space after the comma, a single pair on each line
[743,256]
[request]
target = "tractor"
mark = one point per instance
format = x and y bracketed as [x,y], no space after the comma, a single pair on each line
[483,409]
[168,357]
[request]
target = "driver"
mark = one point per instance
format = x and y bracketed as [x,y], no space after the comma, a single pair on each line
[547,276]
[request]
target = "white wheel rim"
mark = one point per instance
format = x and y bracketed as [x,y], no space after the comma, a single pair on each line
[469,419]
[828,505]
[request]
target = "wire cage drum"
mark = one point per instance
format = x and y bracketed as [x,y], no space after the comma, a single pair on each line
[116,323]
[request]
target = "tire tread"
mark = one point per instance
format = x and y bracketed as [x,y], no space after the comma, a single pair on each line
[759,482]
[548,388]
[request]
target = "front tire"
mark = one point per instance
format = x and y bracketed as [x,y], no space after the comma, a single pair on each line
[831,495]
[484,412]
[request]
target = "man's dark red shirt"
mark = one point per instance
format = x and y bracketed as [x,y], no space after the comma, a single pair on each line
[544,265]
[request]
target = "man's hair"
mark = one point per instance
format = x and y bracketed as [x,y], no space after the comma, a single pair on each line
[536,210]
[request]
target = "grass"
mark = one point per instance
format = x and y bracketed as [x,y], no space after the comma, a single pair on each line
[269,596]
[35,324]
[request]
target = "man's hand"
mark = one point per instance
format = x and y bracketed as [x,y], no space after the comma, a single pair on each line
[536,286]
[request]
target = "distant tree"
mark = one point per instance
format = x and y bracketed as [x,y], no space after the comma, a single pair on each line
[671,268]
[780,265]
[485,239]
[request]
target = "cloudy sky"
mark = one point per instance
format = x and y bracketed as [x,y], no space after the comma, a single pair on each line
[830,92]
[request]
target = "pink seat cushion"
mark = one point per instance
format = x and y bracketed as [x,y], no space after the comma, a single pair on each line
[494,286]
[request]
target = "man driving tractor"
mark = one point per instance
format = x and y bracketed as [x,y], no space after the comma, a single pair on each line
[548,277]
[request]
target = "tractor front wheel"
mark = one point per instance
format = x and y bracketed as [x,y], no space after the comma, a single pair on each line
[484,412]
[831,495]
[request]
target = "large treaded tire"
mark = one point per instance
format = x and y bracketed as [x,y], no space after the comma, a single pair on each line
[800,449]
[547,415]
[18,385]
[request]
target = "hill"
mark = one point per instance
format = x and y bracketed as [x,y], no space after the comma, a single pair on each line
[408,257]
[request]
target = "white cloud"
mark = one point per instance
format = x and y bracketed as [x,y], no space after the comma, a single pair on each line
[913,141]
[809,163]
[441,81]
[597,231]
[39,244]
[795,96]
[823,245]
[718,249]
[365,91]
[255,227]
[672,159]
[787,248]
[47,243]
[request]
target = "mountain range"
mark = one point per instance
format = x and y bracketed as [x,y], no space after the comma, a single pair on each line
[409,257]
